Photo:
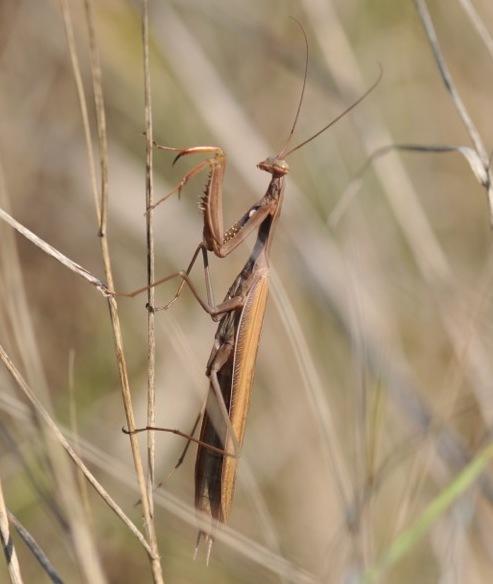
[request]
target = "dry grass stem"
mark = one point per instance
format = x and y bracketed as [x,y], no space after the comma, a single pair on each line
[54,253]
[36,550]
[149,198]
[72,51]
[96,74]
[473,132]
[478,24]
[8,546]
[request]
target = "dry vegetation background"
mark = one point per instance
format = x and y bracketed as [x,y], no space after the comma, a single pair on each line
[374,381]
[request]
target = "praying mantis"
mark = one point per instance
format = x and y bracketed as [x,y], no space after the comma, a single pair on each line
[231,365]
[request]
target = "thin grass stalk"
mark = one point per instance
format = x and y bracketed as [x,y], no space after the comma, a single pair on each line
[9,550]
[54,253]
[478,24]
[35,549]
[149,196]
[96,74]
[424,14]
[475,136]
[72,49]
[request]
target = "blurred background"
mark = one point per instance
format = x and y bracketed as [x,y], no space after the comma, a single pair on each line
[374,378]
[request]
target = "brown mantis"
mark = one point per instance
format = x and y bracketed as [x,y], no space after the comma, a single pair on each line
[231,365]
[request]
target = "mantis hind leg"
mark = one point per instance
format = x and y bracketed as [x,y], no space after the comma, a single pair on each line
[223,355]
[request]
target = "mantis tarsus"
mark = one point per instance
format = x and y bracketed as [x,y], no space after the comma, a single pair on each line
[231,365]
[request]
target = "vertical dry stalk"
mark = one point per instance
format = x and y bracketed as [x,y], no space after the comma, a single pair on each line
[478,24]
[117,333]
[7,543]
[151,335]
[69,33]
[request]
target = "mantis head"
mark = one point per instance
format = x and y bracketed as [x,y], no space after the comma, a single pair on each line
[274,165]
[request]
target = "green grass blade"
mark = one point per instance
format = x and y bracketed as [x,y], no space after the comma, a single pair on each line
[408,538]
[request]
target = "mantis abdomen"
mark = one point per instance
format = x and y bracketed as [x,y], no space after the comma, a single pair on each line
[215,474]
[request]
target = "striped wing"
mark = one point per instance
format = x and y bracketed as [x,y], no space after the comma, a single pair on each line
[247,343]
